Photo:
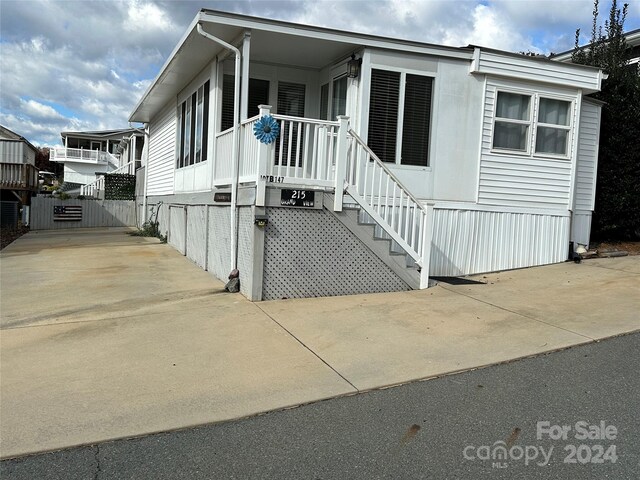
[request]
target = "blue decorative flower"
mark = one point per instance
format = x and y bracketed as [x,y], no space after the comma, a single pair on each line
[266,129]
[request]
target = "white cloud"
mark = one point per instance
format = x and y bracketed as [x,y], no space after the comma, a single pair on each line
[84,64]
[144,16]
[39,110]
[490,28]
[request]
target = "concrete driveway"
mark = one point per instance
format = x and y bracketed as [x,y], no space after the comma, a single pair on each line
[106,336]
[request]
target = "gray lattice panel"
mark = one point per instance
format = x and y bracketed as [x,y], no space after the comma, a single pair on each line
[219,242]
[177,228]
[309,253]
[245,248]
[197,234]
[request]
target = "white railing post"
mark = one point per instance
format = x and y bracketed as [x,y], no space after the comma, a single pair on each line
[341,162]
[427,236]
[264,154]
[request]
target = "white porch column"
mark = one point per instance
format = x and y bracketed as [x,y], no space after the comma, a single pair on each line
[264,156]
[244,96]
[341,162]
[427,237]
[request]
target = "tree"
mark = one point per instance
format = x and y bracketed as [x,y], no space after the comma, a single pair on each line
[617,205]
[43,163]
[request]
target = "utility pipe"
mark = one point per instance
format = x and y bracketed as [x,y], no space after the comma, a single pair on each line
[235,150]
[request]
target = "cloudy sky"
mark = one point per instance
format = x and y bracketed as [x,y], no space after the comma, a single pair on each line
[83,65]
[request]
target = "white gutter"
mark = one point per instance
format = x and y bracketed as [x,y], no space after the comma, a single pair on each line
[146,172]
[235,150]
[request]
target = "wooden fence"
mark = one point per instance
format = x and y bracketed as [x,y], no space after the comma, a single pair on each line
[48,213]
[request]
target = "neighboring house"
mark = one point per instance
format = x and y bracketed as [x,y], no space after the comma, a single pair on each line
[87,156]
[395,160]
[18,172]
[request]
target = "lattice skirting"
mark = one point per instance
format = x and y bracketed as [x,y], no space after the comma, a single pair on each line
[308,253]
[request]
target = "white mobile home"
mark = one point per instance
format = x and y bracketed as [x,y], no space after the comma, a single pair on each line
[320,162]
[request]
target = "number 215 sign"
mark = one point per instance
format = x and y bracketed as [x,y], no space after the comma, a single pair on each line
[296,198]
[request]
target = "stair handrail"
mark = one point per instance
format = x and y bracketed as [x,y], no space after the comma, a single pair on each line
[418,247]
[387,170]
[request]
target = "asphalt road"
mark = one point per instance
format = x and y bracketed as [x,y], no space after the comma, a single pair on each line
[438,429]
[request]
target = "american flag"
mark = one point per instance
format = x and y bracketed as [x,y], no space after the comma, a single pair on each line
[67,213]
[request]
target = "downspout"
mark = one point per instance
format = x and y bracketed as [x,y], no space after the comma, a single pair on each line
[146,172]
[235,150]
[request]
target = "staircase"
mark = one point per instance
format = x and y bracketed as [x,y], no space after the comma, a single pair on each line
[365,228]
[378,208]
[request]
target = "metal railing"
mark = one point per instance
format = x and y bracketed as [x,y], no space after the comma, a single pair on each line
[19,176]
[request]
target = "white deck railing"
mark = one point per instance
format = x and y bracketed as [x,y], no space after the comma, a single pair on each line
[304,152]
[93,188]
[62,154]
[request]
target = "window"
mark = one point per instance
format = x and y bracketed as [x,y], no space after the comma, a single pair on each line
[339,100]
[553,128]
[400,140]
[193,126]
[324,102]
[258,95]
[514,123]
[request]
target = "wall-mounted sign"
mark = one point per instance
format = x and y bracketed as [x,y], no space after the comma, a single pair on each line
[296,198]
[222,197]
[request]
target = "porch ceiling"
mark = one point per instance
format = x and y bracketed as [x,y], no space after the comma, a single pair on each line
[272,41]
[195,52]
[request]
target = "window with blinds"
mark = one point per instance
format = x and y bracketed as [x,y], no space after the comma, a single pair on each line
[383,114]
[384,137]
[228,85]
[258,95]
[193,124]
[416,120]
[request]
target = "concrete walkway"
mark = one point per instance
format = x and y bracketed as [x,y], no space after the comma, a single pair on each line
[106,336]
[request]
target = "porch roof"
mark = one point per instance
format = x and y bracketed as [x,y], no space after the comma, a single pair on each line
[272,41]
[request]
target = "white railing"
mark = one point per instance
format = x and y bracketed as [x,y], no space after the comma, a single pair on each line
[384,198]
[61,154]
[129,168]
[93,188]
[223,166]
[305,151]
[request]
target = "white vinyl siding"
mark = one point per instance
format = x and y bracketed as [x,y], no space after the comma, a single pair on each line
[16,152]
[162,151]
[587,162]
[523,68]
[521,180]
[467,242]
